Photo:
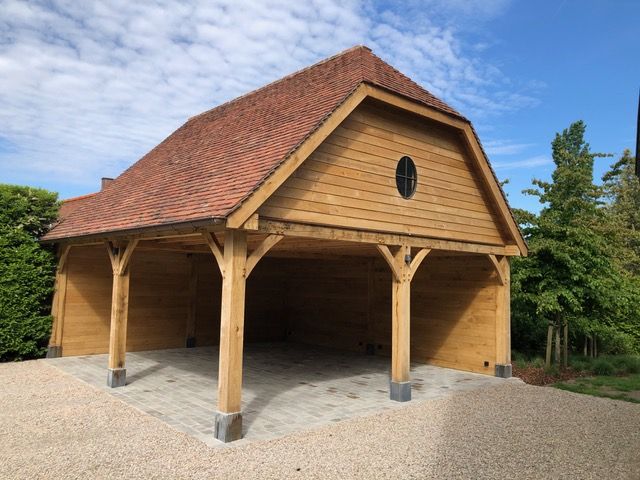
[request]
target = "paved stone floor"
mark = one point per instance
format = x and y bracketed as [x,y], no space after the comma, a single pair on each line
[287,387]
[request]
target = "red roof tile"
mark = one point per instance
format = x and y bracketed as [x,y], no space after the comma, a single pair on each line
[70,205]
[216,159]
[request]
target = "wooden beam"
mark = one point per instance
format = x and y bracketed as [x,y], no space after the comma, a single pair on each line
[295,159]
[503,317]
[59,303]
[251,223]
[120,258]
[401,327]
[216,249]
[190,330]
[499,268]
[391,261]
[228,426]
[260,251]
[371,295]
[320,232]
[492,185]
[417,260]
[403,268]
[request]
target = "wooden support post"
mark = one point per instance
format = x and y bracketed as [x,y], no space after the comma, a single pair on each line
[58,305]
[370,347]
[120,257]
[235,266]
[403,268]
[228,422]
[190,331]
[503,316]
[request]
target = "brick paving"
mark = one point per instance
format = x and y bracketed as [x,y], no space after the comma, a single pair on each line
[287,387]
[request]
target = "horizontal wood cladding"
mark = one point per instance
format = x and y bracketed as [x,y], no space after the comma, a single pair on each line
[339,302]
[453,308]
[453,312]
[349,181]
[264,302]
[328,305]
[158,301]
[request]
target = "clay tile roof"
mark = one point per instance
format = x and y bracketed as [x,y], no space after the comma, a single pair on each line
[72,204]
[205,169]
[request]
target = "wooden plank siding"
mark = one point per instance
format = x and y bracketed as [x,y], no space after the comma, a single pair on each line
[453,308]
[326,302]
[159,301]
[349,181]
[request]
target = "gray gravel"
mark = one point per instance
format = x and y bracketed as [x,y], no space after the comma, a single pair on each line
[54,426]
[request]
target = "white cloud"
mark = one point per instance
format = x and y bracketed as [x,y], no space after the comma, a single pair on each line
[505,147]
[87,88]
[533,162]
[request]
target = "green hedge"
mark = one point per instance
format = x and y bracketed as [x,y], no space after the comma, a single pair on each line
[27,271]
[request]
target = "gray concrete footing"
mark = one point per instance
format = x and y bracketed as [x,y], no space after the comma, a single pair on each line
[503,371]
[54,351]
[117,377]
[400,391]
[228,426]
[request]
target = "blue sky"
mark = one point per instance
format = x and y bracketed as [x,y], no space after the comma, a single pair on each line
[87,88]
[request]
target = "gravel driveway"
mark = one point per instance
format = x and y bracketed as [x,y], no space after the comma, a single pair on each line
[54,426]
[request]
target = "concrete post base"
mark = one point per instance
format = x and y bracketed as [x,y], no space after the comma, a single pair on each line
[228,426]
[400,391]
[54,351]
[503,371]
[117,377]
[191,342]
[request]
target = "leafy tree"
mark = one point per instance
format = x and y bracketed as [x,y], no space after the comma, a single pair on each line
[26,271]
[570,277]
[622,189]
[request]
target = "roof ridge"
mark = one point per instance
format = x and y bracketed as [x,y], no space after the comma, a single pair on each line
[280,80]
[79,197]
[416,84]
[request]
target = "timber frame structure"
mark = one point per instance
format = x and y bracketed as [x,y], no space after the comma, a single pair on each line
[331,198]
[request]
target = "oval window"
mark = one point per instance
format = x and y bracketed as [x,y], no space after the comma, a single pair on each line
[406,177]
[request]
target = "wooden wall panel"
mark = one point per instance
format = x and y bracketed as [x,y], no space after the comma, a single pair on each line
[349,181]
[453,312]
[453,301]
[327,305]
[88,302]
[264,302]
[339,303]
[157,304]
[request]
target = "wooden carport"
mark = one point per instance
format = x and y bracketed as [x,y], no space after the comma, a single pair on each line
[328,196]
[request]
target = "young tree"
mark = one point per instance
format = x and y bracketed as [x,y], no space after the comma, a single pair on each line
[569,277]
[622,189]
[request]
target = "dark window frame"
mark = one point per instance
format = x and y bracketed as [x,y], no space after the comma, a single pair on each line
[406,177]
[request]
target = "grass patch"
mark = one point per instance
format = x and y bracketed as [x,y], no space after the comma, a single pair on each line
[620,388]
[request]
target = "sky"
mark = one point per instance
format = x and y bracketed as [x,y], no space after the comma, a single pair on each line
[87,88]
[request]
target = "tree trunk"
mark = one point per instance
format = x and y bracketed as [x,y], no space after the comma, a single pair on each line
[556,355]
[547,362]
[586,342]
[565,346]
[595,347]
